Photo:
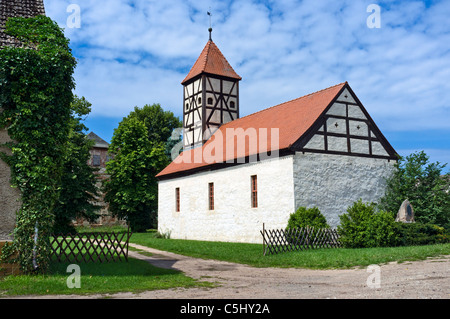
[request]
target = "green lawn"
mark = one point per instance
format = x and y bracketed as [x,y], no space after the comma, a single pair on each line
[252,254]
[98,278]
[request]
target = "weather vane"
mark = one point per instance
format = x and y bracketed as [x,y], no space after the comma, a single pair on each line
[210,25]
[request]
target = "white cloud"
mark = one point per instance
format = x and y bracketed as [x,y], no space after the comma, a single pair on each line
[135,54]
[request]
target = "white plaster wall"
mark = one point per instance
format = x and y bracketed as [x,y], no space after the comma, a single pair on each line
[232,219]
[333,182]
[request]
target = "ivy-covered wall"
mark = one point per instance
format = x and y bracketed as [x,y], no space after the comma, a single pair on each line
[36,83]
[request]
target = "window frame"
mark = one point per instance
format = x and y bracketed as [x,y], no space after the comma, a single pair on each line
[254,191]
[210,196]
[177,199]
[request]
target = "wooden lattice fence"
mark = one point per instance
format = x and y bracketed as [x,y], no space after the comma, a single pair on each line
[91,247]
[283,240]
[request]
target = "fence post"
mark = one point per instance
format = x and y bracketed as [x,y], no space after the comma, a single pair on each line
[128,239]
[264,241]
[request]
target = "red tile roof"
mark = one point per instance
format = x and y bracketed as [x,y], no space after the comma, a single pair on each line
[211,61]
[292,119]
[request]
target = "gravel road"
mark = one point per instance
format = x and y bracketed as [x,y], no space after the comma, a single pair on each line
[427,279]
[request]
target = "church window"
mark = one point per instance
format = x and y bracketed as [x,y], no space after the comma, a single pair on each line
[254,191]
[177,199]
[211,196]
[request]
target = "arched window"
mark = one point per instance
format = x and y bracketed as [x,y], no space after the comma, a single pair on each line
[199,101]
[210,101]
[187,106]
[232,105]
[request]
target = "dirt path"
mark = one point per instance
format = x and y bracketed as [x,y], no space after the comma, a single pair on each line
[428,279]
[421,279]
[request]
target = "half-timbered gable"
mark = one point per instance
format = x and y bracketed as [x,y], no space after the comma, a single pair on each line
[346,128]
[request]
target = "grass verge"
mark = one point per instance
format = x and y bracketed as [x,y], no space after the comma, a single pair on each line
[252,254]
[98,278]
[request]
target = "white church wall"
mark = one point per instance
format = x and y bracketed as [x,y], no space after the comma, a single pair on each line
[333,182]
[233,219]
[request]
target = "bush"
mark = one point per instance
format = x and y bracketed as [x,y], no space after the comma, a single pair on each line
[307,217]
[413,234]
[363,227]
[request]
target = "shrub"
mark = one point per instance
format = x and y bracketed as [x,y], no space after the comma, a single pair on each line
[413,234]
[363,227]
[307,217]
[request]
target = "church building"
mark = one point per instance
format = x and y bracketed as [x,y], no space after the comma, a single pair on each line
[236,173]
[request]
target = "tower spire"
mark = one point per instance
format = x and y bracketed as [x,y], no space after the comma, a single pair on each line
[210,25]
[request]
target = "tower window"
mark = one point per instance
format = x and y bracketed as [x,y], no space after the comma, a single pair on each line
[210,101]
[187,106]
[232,105]
[199,101]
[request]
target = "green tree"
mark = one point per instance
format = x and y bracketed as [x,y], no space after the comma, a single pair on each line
[131,190]
[36,86]
[159,123]
[424,185]
[78,188]
[159,126]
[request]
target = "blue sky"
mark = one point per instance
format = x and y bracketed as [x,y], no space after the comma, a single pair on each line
[136,52]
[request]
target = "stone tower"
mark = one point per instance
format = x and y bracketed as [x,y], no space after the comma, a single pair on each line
[9,197]
[211,96]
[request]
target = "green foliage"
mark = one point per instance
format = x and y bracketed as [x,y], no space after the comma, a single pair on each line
[140,146]
[412,234]
[132,188]
[35,94]
[424,185]
[363,227]
[78,184]
[159,123]
[307,217]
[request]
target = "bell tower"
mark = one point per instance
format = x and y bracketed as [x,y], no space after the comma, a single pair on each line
[210,96]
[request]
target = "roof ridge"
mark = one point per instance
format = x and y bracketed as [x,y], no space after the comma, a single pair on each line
[298,98]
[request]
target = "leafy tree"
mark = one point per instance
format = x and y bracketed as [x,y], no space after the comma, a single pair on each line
[36,86]
[131,190]
[159,123]
[78,188]
[424,185]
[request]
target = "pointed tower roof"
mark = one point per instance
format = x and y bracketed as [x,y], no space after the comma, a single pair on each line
[211,61]
[17,8]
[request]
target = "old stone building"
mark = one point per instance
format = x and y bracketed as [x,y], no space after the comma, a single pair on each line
[9,197]
[322,149]
[99,158]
